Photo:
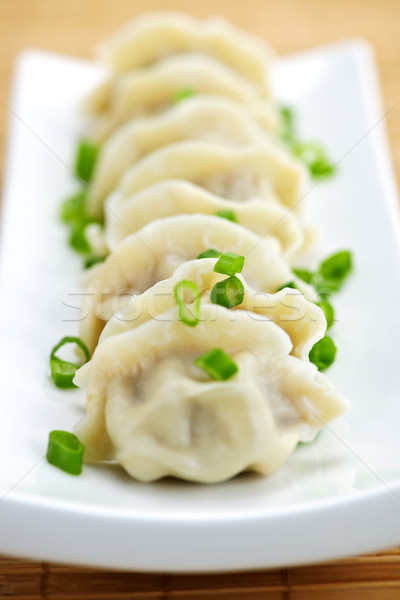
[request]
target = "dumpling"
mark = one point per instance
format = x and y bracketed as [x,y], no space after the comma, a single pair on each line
[262,171]
[302,320]
[152,37]
[173,197]
[199,117]
[154,411]
[154,252]
[151,90]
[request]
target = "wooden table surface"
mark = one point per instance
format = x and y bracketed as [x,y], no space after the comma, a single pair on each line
[74,27]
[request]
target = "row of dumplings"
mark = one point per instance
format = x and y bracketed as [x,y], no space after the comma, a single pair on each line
[199,349]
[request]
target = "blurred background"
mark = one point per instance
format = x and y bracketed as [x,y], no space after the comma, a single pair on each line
[76,26]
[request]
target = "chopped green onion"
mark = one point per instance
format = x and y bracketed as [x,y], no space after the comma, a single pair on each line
[210,253]
[311,153]
[323,353]
[93,260]
[74,214]
[229,264]
[287,121]
[314,156]
[62,371]
[217,364]
[330,275]
[73,208]
[304,275]
[328,311]
[77,238]
[334,270]
[188,313]
[228,293]
[182,94]
[85,162]
[227,214]
[289,284]
[65,451]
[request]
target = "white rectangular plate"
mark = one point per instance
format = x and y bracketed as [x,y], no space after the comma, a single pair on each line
[337,496]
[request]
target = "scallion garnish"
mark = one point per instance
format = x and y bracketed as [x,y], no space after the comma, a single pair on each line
[62,371]
[334,270]
[182,94]
[227,214]
[228,293]
[73,208]
[210,253]
[290,284]
[323,353]
[217,364]
[330,275]
[189,312]
[74,214]
[85,161]
[77,238]
[287,120]
[328,311]
[93,260]
[65,451]
[314,156]
[304,275]
[229,264]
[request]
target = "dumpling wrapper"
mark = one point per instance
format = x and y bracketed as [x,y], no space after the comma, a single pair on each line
[124,216]
[150,91]
[149,38]
[154,252]
[301,319]
[150,408]
[253,171]
[200,117]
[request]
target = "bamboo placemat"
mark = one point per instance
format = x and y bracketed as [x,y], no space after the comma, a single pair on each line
[365,578]
[74,27]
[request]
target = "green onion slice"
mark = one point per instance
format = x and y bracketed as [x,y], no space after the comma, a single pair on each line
[73,208]
[182,94]
[229,264]
[304,275]
[227,214]
[217,364]
[210,253]
[323,353]
[314,156]
[228,293]
[65,451]
[287,124]
[328,311]
[334,269]
[74,214]
[289,284]
[85,161]
[189,313]
[77,238]
[62,371]
[93,260]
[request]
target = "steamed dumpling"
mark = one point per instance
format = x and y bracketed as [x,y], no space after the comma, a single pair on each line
[262,171]
[154,252]
[302,320]
[199,117]
[157,414]
[149,38]
[151,90]
[173,197]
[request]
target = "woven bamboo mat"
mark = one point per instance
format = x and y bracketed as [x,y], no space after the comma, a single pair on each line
[372,577]
[74,27]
